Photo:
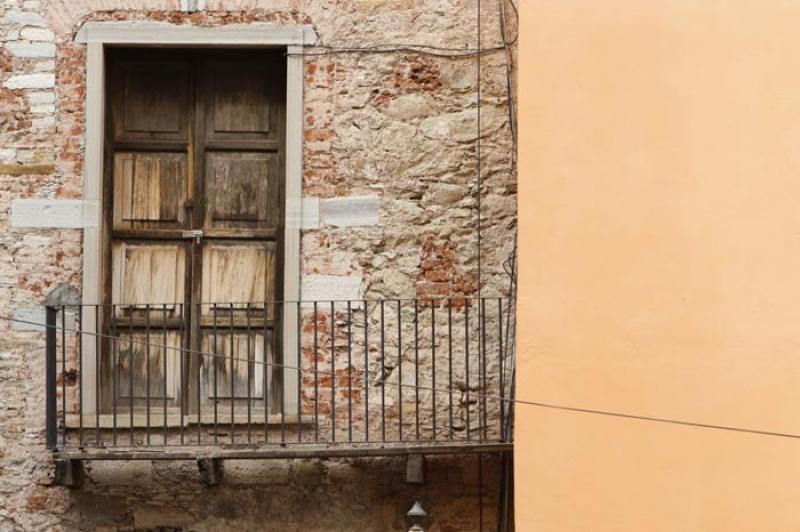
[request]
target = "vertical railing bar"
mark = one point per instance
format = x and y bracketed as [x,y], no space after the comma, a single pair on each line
[114,374]
[501,365]
[400,367]
[299,374]
[200,364]
[316,376]
[466,364]
[266,389]
[130,374]
[416,366]
[333,372]
[283,380]
[164,356]
[51,377]
[484,388]
[79,314]
[366,372]
[478,402]
[349,371]
[184,354]
[233,377]
[97,346]
[450,363]
[214,364]
[433,367]
[63,375]
[249,372]
[147,371]
[383,372]
[508,368]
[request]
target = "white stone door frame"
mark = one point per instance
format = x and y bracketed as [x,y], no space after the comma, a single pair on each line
[139,34]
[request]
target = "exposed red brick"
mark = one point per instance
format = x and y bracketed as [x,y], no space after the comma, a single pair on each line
[14,110]
[36,503]
[439,272]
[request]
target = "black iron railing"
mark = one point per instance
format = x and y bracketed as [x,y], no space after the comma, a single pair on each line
[365,372]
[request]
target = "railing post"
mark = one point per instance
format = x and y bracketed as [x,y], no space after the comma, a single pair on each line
[51,417]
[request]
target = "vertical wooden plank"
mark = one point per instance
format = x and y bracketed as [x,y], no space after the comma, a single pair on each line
[154,178]
[196,188]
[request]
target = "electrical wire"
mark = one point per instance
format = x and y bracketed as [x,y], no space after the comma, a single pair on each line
[433,51]
[199,353]
[509,399]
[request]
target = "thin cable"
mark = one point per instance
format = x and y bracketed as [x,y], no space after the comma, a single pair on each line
[552,406]
[196,352]
[656,419]
[432,51]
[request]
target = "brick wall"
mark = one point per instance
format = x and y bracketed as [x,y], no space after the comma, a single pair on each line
[389,163]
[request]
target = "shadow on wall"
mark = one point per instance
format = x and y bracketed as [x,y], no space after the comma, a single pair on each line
[309,495]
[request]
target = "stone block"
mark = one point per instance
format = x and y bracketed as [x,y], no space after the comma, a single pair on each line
[45,109]
[41,97]
[44,121]
[256,472]
[350,211]
[61,213]
[37,34]
[462,126]
[122,473]
[24,18]
[408,106]
[31,81]
[325,287]
[31,49]
[32,319]
[303,214]
[160,518]
[26,169]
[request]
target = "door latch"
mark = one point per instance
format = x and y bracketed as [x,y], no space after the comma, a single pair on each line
[195,234]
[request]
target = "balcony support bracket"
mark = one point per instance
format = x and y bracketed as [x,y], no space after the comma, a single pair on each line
[415,468]
[210,470]
[69,473]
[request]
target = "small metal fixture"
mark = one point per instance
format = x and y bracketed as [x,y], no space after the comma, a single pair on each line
[416,517]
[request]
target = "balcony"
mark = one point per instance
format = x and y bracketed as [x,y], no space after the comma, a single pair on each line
[280,379]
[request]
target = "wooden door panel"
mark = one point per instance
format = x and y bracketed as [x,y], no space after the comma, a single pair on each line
[195,178]
[240,190]
[149,190]
[163,369]
[149,274]
[241,100]
[240,107]
[241,354]
[150,100]
[238,272]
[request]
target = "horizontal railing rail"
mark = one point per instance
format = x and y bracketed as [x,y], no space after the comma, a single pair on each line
[335,372]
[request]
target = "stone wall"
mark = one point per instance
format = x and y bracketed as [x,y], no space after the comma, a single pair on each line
[389,180]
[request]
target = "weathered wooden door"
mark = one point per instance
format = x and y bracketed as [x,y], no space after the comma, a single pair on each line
[194,166]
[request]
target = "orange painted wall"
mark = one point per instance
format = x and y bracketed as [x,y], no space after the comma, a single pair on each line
[659,264]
